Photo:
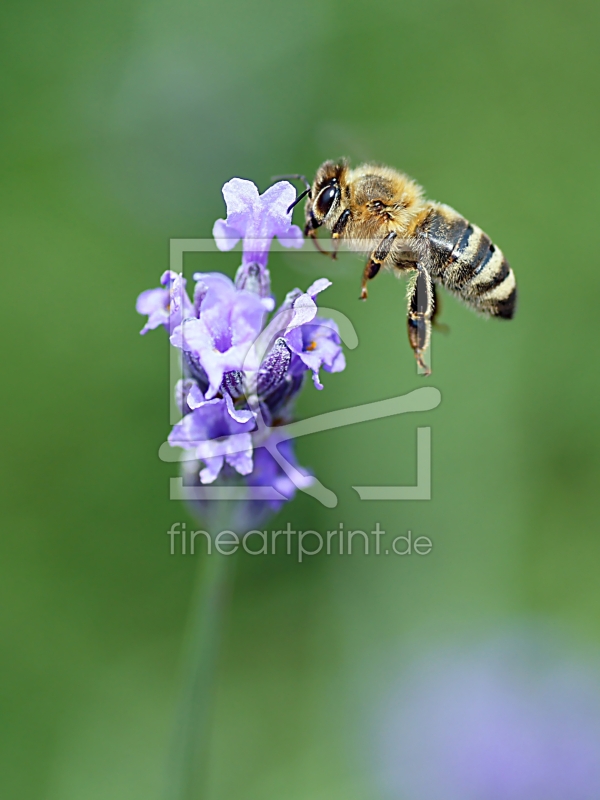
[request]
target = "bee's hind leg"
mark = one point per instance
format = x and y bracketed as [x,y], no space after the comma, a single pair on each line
[376,259]
[421,309]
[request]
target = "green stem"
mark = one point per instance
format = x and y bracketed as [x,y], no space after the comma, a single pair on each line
[187,776]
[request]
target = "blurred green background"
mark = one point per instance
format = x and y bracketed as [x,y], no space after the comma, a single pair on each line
[121,121]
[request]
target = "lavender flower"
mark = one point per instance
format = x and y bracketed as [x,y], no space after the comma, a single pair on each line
[243,372]
[256,219]
[512,719]
[225,324]
[166,306]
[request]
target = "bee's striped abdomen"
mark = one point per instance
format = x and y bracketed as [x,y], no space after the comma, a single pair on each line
[463,259]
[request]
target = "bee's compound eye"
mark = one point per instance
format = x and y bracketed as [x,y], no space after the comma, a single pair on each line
[325,199]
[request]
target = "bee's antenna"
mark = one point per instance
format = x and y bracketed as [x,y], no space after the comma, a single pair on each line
[293,178]
[297,200]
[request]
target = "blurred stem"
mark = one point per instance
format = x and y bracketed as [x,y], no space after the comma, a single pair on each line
[188,768]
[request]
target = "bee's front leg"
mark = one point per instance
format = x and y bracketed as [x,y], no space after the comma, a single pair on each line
[421,308]
[310,230]
[338,230]
[312,234]
[378,256]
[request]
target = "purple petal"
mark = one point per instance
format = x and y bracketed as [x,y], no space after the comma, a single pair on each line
[215,368]
[318,286]
[236,449]
[182,391]
[238,414]
[305,310]
[276,219]
[316,380]
[154,303]
[168,277]
[150,300]
[338,364]
[195,398]
[200,292]
[292,238]
[191,335]
[241,198]
[226,237]
[215,280]
[202,424]
[240,457]
[180,306]
[276,200]
[211,471]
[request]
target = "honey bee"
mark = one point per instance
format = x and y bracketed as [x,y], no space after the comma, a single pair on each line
[381,211]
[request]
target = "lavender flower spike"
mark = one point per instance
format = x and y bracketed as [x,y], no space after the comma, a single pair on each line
[242,375]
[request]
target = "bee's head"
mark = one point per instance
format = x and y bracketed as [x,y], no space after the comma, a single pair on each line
[325,193]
